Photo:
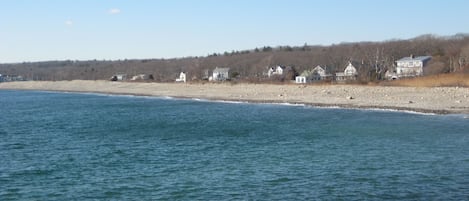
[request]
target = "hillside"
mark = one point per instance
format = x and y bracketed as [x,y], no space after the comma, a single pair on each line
[373,59]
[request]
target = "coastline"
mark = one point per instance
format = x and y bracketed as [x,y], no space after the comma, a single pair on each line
[437,100]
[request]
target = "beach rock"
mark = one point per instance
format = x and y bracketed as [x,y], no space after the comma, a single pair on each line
[349,97]
[410,102]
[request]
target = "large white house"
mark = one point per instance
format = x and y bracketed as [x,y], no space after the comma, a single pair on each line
[411,66]
[350,73]
[278,70]
[182,77]
[119,77]
[220,74]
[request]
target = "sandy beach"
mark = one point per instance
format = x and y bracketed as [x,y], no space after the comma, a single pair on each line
[440,100]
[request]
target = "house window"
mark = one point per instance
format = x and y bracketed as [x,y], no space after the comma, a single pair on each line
[410,64]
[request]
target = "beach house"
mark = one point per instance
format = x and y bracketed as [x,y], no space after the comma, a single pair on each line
[221,74]
[119,77]
[182,77]
[277,70]
[319,73]
[411,66]
[350,73]
[316,74]
[304,77]
[140,77]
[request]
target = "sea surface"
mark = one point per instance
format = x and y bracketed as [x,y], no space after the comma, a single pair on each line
[70,146]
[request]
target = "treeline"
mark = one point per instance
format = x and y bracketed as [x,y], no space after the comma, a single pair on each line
[372,60]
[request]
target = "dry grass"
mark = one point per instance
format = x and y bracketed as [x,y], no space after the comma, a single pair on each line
[441,80]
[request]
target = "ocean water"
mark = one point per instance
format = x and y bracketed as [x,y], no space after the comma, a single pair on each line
[68,146]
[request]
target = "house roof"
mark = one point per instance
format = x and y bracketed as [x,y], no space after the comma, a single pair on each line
[221,70]
[318,67]
[419,58]
[350,65]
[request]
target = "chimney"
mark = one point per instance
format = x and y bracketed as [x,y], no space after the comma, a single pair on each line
[412,56]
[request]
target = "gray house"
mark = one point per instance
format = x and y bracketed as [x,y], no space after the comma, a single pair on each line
[411,66]
[221,74]
[319,73]
[316,74]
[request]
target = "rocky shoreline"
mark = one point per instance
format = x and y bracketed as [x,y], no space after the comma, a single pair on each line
[438,100]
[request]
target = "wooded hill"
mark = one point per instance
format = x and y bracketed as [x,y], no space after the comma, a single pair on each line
[372,60]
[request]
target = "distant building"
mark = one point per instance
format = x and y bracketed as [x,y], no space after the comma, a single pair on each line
[182,77]
[11,78]
[350,73]
[319,73]
[316,74]
[221,74]
[301,79]
[411,66]
[277,70]
[304,77]
[119,77]
[140,77]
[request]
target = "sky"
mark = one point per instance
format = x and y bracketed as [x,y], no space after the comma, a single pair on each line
[43,30]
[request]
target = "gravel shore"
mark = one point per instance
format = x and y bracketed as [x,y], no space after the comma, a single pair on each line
[440,100]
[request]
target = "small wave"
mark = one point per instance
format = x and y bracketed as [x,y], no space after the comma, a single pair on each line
[218,101]
[374,109]
[290,104]
[200,99]
[462,116]
[398,111]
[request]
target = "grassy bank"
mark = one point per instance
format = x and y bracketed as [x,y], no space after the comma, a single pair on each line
[441,80]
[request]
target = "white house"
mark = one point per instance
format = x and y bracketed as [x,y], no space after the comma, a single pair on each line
[411,66]
[304,77]
[301,79]
[140,77]
[119,77]
[350,73]
[220,74]
[182,77]
[278,70]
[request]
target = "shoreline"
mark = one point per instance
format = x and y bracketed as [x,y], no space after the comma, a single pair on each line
[434,100]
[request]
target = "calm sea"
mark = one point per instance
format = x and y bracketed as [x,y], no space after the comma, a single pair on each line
[68,146]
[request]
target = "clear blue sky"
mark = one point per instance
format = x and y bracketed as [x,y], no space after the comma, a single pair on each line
[38,30]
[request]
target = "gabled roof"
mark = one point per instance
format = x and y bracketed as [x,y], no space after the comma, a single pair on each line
[280,66]
[419,58]
[318,68]
[221,70]
[350,66]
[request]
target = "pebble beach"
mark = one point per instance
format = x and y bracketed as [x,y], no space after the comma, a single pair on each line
[438,100]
